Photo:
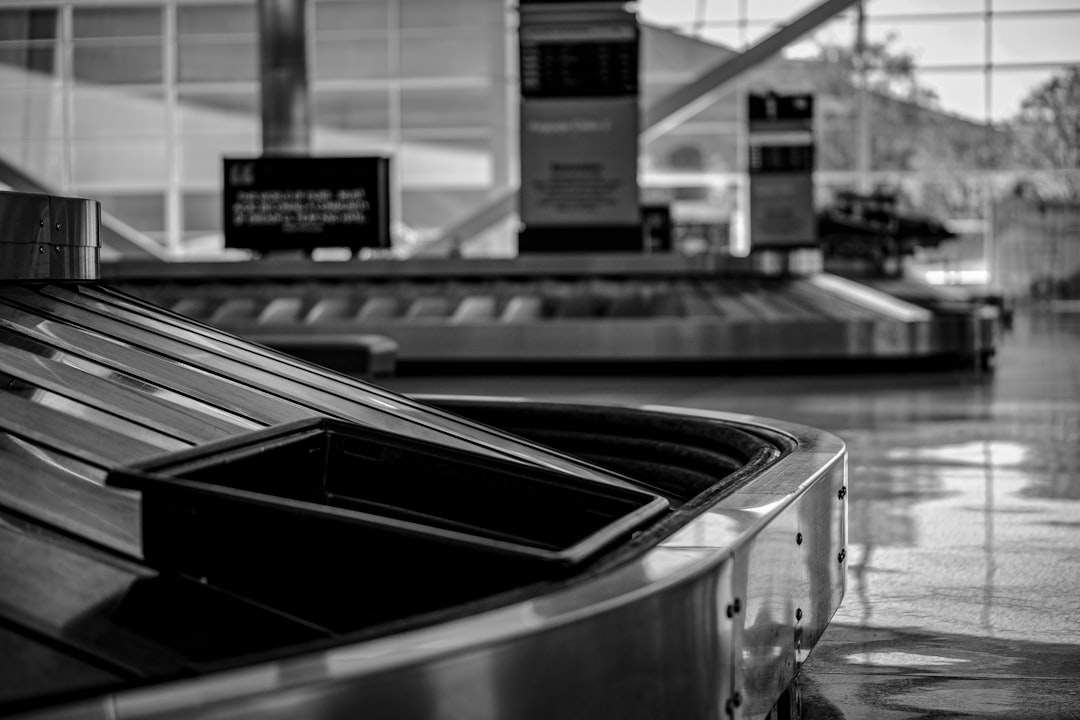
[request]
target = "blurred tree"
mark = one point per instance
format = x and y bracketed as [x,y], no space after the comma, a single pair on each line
[898,104]
[889,71]
[909,130]
[1046,133]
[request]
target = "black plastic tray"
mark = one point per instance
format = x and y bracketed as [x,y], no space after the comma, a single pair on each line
[345,525]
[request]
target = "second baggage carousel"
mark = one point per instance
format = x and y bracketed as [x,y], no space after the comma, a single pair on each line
[564,309]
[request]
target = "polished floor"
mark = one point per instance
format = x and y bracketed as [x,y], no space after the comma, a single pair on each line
[963,594]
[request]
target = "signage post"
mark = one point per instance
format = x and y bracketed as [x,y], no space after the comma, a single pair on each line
[579,128]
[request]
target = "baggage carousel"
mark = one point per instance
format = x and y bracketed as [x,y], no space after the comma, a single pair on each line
[616,309]
[195,525]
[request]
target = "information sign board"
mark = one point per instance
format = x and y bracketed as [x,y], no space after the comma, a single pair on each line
[288,203]
[579,128]
[781,165]
[594,58]
[576,169]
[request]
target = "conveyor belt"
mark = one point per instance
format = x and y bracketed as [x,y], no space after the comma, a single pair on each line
[193,525]
[561,310]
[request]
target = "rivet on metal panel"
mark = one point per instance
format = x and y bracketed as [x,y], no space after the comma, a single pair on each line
[57,226]
[841,556]
[40,249]
[56,249]
[843,492]
[798,538]
[41,223]
[798,613]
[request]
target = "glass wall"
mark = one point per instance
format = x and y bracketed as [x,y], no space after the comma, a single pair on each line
[964,109]
[968,110]
[136,103]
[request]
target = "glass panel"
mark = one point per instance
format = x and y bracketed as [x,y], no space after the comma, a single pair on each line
[217,113]
[942,196]
[1011,87]
[117,22]
[440,207]
[202,212]
[778,9]
[358,15]
[1050,39]
[112,112]
[723,111]
[671,12]
[905,136]
[352,109]
[201,157]
[726,35]
[1035,244]
[456,164]
[41,159]
[216,19]
[449,107]
[928,7]
[446,55]
[234,59]
[331,141]
[32,113]
[940,42]
[29,24]
[716,11]
[683,152]
[472,14]
[1047,134]
[837,147]
[120,162]
[836,33]
[756,32]
[1021,5]
[38,58]
[139,62]
[144,212]
[653,91]
[958,93]
[359,57]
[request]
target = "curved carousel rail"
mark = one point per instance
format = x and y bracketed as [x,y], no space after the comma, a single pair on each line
[194,525]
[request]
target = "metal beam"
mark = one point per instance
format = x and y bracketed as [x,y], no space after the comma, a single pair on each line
[667,113]
[691,99]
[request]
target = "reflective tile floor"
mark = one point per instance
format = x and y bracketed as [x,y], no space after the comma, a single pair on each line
[963,595]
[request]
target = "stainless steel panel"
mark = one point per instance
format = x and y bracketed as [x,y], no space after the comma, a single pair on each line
[348,397]
[151,368]
[96,444]
[702,626]
[268,387]
[110,397]
[48,237]
[213,415]
[68,493]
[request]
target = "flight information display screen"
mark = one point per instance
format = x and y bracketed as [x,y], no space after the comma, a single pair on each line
[587,59]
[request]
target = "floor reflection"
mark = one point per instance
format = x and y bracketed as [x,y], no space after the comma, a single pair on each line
[963,517]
